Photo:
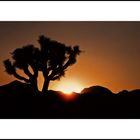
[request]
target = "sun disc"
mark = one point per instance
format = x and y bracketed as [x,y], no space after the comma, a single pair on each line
[69,87]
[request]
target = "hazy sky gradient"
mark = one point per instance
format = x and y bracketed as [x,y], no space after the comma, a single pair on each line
[111,56]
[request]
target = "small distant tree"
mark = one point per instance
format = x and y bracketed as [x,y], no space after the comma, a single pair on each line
[52,59]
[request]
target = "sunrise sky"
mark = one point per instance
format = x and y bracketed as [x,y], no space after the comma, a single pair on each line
[111,56]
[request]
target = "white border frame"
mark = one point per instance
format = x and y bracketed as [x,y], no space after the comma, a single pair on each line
[70,11]
[70,129]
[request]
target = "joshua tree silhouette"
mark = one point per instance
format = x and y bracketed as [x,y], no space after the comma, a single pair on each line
[52,59]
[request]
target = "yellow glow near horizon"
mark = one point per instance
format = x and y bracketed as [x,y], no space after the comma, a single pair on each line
[69,86]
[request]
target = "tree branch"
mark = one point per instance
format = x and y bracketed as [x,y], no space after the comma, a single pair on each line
[27,72]
[20,77]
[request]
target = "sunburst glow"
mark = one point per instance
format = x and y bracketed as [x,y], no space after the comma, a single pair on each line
[70,86]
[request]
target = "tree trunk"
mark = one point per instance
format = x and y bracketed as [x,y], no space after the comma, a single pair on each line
[34,85]
[45,85]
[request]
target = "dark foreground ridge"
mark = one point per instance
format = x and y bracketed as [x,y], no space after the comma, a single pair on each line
[17,100]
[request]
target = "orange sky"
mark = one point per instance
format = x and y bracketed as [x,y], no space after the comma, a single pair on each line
[111,50]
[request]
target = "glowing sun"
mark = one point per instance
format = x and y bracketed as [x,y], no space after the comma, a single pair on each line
[70,86]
